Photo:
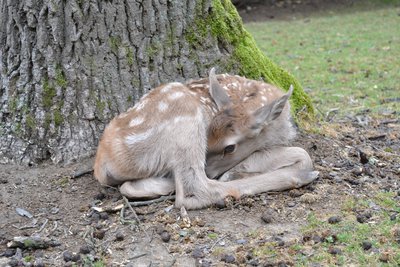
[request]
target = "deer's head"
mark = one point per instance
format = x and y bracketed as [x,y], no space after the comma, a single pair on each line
[238,129]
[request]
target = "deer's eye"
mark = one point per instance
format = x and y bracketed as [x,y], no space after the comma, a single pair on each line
[229,149]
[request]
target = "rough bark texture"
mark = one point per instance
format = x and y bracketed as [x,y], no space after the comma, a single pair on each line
[68,66]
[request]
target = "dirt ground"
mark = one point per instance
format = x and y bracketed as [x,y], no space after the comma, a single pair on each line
[352,158]
[357,156]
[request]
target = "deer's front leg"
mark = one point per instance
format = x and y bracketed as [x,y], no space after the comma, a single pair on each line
[275,169]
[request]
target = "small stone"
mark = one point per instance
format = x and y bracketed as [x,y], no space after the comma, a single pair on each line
[76,257]
[361,218]
[84,249]
[14,263]
[8,253]
[165,236]
[100,196]
[291,204]
[197,253]
[393,217]
[228,258]
[205,263]
[316,239]
[254,262]
[241,241]
[357,171]
[334,251]
[119,236]
[67,256]
[267,218]
[334,219]
[38,262]
[279,241]
[95,217]
[99,234]
[220,204]
[104,215]
[183,233]
[366,245]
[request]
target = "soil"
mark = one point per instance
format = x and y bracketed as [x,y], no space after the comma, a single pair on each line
[355,157]
[358,157]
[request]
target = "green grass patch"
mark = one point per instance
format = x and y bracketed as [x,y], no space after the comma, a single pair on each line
[381,230]
[345,59]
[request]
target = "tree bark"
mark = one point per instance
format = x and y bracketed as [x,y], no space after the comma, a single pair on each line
[68,66]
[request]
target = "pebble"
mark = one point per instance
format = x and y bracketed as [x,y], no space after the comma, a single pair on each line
[361,218]
[334,251]
[100,196]
[205,263]
[14,263]
[393,217]
[99,234]
[197,253]
[279,241]
[165,236]
[228,258]
[254,262]
[38,263]
[67,256]
[366,245]
[84,249]
[9,253]
[119,236]
[241,241]
[220,204]
[291,204]
[267,217]
[104,215]
[183,233]
[334,219]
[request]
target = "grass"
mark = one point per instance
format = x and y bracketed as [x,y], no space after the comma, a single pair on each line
[381,231]
[346,59]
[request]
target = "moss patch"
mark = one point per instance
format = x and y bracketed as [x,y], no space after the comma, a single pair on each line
[224,23]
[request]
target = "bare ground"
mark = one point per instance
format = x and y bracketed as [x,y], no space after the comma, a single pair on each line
[354,159]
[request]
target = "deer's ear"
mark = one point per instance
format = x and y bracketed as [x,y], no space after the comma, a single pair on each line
[270,112]
[217,93]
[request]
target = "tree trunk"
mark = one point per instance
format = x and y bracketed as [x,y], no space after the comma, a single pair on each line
[68,66]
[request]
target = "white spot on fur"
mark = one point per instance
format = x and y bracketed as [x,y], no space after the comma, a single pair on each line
[136,138]
[166,88]
[245,99]
[136,121]
[162,106]
[141,104]
[176,95]
[174,84]
[264,98]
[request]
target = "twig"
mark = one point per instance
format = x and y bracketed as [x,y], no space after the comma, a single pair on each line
[138,256]
[152,201]
[136,217]
[218,240]
[43,225]
[80,173]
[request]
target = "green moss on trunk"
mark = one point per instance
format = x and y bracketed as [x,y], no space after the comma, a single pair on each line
[225,24]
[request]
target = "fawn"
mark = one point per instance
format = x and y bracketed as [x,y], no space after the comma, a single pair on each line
[206,140]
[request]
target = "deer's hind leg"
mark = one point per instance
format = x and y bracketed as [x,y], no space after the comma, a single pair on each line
[148,188]
[274,169]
